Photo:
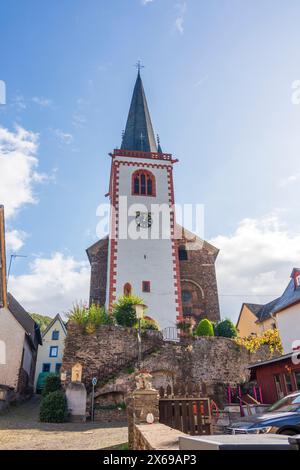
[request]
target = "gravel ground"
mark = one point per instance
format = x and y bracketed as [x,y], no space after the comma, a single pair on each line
[20,429]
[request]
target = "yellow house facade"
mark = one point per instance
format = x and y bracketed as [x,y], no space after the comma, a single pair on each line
[254,319]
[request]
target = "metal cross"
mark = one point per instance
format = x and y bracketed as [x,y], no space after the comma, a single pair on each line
[139,66]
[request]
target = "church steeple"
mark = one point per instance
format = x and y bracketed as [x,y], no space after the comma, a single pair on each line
[139,133]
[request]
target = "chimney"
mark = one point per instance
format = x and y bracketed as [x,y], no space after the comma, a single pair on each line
[3,285]
[296,276]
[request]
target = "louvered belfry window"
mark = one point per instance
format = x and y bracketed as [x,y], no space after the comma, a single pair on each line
[143,183]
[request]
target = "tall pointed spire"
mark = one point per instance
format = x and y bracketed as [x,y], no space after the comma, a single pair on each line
[139,133]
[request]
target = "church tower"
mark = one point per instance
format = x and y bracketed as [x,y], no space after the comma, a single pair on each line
[142,249]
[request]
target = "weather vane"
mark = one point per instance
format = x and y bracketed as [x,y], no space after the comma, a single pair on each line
[139,66]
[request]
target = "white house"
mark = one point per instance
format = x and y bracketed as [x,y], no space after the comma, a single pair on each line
[19,334]
[19,338]
[50,354]
[287,314]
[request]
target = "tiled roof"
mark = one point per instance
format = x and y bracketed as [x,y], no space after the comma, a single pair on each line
[267,310]
[255,308]
[290,296]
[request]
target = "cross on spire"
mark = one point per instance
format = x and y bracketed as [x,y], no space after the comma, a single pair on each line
[139,66]
[139,133]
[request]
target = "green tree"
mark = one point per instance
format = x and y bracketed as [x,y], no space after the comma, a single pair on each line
[42,320]
[54,408]
[52,384]
[225,328]
[204,328]
[124,311]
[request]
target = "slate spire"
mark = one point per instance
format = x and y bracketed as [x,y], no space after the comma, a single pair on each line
[139,133]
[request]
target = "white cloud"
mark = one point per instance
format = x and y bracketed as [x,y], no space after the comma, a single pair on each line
[18,101]
[78,119]
[64,137]
[15,240]
[290,179]
[43,102]
[18,168]
[255,262]
[52,284]
[145,2]
[181,7]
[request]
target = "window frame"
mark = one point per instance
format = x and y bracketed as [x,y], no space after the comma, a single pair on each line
[143,183]
[52,348]
[127,289]
[46,364]
[182,249]
[288,381]
[52,336]
[146,290]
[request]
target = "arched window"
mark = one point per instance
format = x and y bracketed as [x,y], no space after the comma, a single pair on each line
[143,183]
[127,289]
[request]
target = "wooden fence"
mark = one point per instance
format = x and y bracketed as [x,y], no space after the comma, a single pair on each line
[184,408]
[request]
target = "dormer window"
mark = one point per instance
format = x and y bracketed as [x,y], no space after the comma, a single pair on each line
[297,280]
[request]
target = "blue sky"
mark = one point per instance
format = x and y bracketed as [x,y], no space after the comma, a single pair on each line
[218,79]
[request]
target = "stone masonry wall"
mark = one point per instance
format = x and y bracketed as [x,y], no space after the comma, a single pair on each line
[107,351]
[211,360]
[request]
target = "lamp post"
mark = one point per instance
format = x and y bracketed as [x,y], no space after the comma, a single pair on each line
[139,310]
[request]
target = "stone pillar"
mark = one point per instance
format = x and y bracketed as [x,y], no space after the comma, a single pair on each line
[142,402]
[76,398]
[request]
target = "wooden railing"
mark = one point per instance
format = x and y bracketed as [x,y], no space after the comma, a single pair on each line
[185,407]
[188,415]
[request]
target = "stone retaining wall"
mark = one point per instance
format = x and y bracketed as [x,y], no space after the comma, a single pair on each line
[108,416]
[214,361]
[155,436]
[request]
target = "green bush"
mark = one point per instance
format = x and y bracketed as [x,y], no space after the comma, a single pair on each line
[54,408]
[225,328]
[184,326]
[89,318]
[52,384]
[204,328]
[124,311]
[148,323]
[79,314]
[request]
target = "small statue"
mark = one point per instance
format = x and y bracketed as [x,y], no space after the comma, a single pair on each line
[143,381]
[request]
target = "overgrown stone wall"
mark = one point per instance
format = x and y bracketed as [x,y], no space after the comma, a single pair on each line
[214,361]
[106,352]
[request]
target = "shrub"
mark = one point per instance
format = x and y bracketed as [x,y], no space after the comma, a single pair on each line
[148,323]
[89,318]
[184,326]
[52,384]
[54,408]
[204,328]
[270,337]
[225,328]
[79,314]
[97,316]
[124,311]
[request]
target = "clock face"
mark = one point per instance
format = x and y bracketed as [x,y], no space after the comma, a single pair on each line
[143,219]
